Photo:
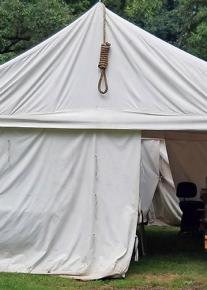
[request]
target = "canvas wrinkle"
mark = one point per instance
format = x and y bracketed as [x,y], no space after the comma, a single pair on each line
[20,77]
[43,77]
[140,53]
[22,165]
[182,72]
[48,242]
[158,196]
[74,56]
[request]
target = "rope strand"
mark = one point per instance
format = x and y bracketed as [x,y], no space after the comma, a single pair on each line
[104,55]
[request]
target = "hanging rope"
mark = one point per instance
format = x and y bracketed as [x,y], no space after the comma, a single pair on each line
[104,56]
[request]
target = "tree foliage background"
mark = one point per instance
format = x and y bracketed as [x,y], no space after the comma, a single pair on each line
[25,23]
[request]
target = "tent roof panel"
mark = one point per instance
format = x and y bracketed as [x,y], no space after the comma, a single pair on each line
[152,85]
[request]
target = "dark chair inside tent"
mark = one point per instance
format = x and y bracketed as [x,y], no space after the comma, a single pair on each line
[191,215]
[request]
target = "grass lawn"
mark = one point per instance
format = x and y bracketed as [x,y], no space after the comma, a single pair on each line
[172,262]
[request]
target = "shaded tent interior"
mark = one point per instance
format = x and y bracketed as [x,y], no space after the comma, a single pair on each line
[187,155]
[71,169]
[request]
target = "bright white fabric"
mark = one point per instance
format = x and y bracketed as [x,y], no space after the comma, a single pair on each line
[158,200]
[152,85]
[68,201]
[149,173]
[165,205]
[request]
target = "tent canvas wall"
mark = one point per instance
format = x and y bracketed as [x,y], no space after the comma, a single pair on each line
[69,198]
[157,198]
[68,204]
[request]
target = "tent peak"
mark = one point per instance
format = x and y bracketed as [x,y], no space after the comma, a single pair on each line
[101,2]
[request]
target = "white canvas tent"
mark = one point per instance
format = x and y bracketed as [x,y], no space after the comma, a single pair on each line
[69,195]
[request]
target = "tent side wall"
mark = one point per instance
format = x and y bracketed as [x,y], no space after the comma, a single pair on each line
[68,201]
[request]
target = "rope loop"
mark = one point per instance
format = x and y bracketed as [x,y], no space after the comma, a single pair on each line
[103,63]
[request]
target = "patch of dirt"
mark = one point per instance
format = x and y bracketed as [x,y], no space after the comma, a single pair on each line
[161,278]
[136,288]
[145,288]
[158,278]
[195,287]
[106,287]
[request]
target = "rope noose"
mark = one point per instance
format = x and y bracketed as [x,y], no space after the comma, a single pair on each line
[103,63]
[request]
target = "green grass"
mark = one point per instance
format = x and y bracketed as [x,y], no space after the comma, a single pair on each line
[172,262]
